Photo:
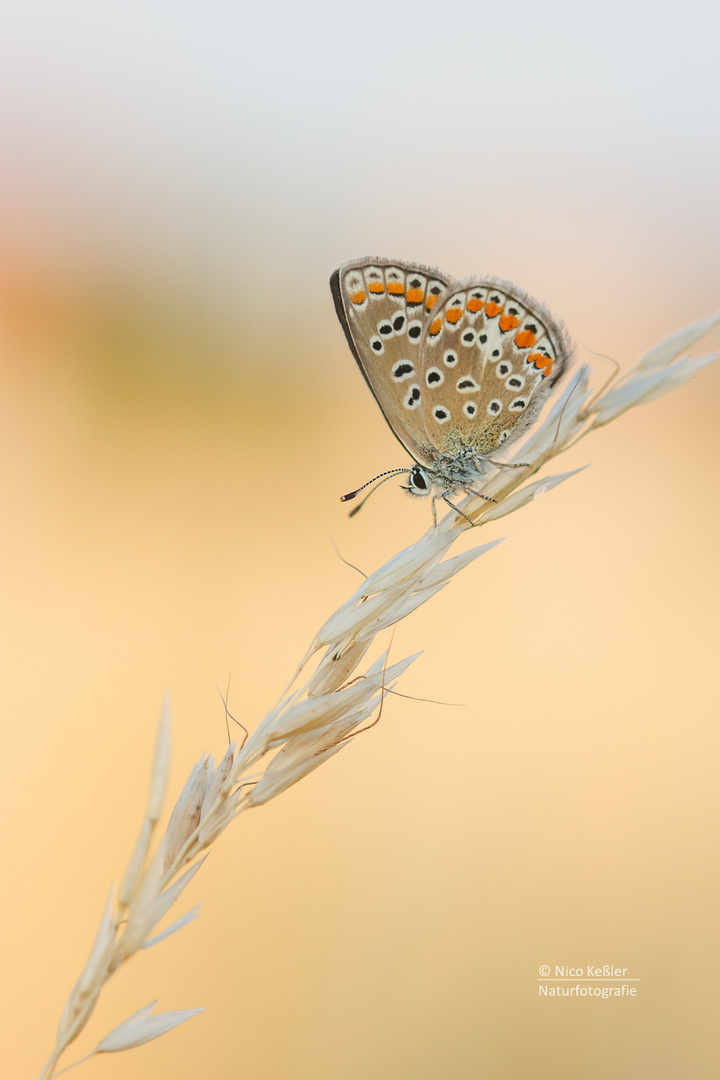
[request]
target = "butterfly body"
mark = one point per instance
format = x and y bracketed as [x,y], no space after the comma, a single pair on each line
[459,369]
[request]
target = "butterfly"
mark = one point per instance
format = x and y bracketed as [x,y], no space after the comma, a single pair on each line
[458,368]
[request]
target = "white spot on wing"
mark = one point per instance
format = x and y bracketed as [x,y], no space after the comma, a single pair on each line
[403,370]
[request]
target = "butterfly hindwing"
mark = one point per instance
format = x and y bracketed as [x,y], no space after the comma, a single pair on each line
[384,307]
[488,358]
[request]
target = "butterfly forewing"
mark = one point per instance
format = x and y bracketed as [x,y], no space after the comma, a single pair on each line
[489,356]
[384,307]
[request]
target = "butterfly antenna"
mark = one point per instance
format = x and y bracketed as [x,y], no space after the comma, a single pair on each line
[384,475]
[372,491]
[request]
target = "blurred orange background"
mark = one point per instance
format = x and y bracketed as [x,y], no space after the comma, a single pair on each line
[179,414]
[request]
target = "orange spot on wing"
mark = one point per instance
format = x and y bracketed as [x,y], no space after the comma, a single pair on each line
[358,297]
[415,296]
[430,302]
[396,288]
[453,315]
[542,362]
[376,287]
[474,305]
[435,326]
[525,339]
[508,322]
[492,309]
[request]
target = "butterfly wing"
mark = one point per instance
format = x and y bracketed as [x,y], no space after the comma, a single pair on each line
[383,307]
[489,356]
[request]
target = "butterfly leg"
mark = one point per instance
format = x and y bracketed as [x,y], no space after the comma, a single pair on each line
[508,464]
[434,509]
[478,495]
[444,497]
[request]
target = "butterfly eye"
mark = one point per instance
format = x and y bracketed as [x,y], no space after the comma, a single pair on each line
[418,481]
